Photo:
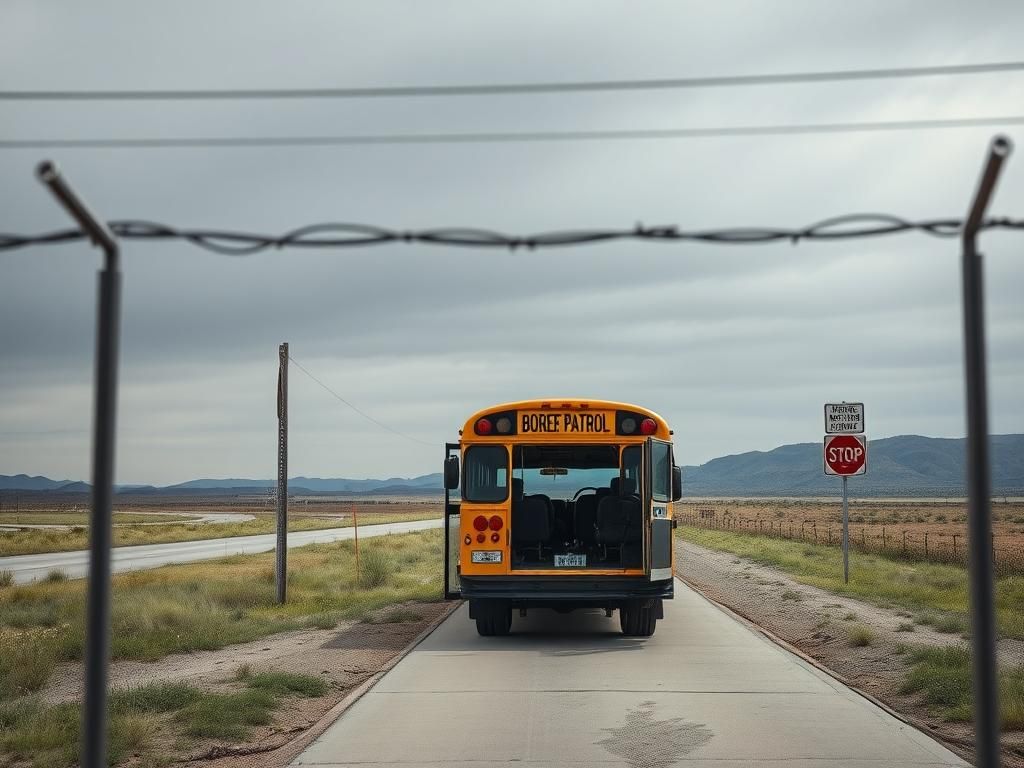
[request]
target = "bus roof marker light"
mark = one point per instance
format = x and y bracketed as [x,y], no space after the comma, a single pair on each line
[483,427]
[648,427]
[628,425]
[504,425]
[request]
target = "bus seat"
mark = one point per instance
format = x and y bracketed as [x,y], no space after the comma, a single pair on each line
[531,528]
[517,489]
[612,521]
[623,486]
[586,519]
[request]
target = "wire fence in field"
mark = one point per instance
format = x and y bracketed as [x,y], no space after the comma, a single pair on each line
[889,540]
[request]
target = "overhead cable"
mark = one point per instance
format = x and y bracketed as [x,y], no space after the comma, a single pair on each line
[507,137]
[507,89]
[361,412]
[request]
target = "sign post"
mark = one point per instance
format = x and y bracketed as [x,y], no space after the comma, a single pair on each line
[845,454]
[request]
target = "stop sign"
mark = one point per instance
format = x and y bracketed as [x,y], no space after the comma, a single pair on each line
[846,455]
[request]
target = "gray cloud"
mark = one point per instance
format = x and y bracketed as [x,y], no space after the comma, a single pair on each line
[738,347]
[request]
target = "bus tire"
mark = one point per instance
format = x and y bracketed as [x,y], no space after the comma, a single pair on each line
[493,619]
[638,619]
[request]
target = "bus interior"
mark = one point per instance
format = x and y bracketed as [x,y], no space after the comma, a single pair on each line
[576,506]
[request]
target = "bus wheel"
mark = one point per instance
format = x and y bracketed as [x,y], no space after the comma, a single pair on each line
[493,619]
[638,619]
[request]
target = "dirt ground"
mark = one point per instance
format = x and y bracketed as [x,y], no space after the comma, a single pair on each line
[301,506]
[816,623]
[346,656]
[930,529]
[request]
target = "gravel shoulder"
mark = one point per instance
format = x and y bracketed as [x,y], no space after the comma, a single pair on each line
[345,656]
[818,623]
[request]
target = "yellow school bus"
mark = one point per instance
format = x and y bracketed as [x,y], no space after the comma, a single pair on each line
[561,504]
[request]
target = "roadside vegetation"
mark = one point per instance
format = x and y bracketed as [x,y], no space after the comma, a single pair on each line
[48,736]
[31,542]
[82,518]
[934,593]
[943,677]
[209,605]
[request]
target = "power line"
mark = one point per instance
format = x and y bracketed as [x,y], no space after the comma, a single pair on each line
[345,235]
[507,89]
[362,413]
[503,137]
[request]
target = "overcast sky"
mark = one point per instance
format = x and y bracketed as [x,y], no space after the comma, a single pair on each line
[738,347]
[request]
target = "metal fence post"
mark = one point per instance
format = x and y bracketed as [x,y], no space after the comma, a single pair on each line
[281,563]
[108,321]
[979,526]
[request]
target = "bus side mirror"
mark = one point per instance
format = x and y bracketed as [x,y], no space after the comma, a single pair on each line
[677,483]
[451,472]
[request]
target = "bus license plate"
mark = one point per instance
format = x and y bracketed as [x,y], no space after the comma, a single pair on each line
[570,561]
[487,556]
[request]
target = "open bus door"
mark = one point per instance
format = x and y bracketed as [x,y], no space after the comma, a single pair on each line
[659,490]
[452,587]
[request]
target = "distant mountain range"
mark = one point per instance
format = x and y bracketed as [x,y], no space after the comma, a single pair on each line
[296,485]
[908,465]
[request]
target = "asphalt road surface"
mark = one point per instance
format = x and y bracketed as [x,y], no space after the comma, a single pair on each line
[569,690]
[32,567]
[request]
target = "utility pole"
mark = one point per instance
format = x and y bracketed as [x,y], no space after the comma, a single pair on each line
[281,570]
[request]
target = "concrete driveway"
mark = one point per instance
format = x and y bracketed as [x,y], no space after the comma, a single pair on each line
[571,691]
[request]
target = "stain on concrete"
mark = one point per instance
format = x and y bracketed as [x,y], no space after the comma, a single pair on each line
[645,742]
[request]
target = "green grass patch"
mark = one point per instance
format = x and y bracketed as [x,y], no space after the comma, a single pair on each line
[47,736]
[287,682]
[209,605]
[905,626]
[41,540]
[935,589]
[943,677]
[227,715]
[6,578]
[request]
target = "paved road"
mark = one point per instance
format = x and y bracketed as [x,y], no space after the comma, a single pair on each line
[569,690]
[31,567]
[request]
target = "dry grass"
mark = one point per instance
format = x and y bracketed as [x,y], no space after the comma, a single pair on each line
[212,604]
[860,635]
[38,541]
[82,518]
[47,736]
[935,592]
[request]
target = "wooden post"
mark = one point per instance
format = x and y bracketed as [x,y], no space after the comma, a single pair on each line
[355,525]
[281,563]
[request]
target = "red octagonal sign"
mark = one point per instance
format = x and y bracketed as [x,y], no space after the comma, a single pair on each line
[846,455]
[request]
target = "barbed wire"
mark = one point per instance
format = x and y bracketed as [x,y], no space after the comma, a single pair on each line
[348,235]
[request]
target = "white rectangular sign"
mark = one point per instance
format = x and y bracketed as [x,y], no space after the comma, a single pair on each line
[844,418]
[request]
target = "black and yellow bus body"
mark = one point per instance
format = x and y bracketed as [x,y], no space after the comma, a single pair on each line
[561,504]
